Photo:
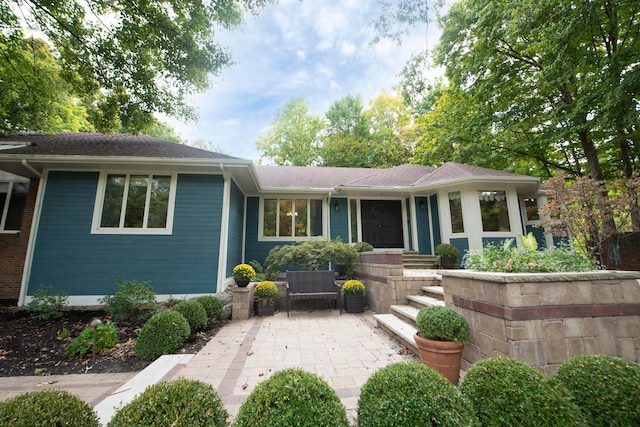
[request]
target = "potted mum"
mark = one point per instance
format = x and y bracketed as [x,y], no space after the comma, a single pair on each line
[264,295]
[448,255]
[353,291]
[440,337]
[243,273]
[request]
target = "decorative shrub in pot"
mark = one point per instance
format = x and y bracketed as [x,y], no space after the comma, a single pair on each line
[243,274]
[265,294]
[441,334]
[353,291]
[448,255]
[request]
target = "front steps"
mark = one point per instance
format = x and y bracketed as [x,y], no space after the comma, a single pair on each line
[412,260]
[401,322]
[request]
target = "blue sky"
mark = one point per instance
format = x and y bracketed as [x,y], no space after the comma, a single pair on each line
[315,49]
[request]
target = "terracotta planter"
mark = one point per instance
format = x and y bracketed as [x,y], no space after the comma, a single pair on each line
[443,356]
[354,303]
[242,283]
[264,306]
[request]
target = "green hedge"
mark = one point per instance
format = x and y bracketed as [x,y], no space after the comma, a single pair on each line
[47,408]
[162,334]
[195,314]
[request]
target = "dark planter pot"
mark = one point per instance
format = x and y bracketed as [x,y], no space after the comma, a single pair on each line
[443,356]
[448,262]
[264,306]
[242,283]
[354,303]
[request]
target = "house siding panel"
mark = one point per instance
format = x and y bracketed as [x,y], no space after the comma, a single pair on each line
[69,257]
[422,224]
[236,216]
[435,220]
[339,219]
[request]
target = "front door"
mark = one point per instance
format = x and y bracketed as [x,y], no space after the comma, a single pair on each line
[382,223]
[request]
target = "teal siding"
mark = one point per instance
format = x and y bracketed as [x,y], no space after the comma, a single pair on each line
[69,257]
[462,243]
[339,220]
[495,241]
[236,220]
[538,233]
[435,220]
[422,223]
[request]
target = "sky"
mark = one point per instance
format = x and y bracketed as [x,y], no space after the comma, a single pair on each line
[319,50]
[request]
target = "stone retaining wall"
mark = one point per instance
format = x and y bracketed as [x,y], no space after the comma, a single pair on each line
[544,319]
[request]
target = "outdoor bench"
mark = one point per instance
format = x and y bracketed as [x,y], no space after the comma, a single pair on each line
[312,285]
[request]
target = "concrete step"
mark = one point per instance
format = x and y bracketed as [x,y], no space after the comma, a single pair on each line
[406,313]
[420,301]
[399,330]
[434,291]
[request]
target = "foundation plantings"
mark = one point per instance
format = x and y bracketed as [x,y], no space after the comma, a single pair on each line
[243,274]
[265,294]
[353,291]
[162,334]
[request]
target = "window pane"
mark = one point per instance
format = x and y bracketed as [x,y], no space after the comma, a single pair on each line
[269,219]
[353,207]
[159,202]
[531,206]
[455,207]
[316,218]
[136,199]
[112,201]
[301,218]
[493,207]
[16,206]
[285,218]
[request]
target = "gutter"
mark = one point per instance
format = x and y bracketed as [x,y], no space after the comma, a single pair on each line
[31,168]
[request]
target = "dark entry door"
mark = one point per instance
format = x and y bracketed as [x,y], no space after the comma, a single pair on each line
[382,223]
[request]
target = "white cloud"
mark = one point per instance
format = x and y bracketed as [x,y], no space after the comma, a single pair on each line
[347,48]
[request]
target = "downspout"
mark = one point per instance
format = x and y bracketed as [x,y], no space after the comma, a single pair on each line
[224,230]
[31,168]
[35,222]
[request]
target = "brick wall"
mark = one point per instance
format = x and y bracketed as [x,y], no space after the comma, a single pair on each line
[626,253]
[545,319]
[13,250]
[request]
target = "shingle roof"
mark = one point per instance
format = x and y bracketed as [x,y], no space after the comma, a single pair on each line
[290,177]
[452,171]
[101,145]
[400,176]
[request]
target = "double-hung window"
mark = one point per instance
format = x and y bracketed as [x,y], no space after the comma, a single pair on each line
[134,203]
[291,218]
[13,196]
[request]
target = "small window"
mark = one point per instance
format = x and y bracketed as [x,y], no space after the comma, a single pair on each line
[13,198]
[131,203]
[292,218]
[493,207]
[531,208]
[455,208]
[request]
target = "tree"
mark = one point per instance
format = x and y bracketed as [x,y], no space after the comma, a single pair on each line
[141,57]
[294,136]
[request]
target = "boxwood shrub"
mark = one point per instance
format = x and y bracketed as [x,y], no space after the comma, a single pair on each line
[605,387]
[213,307]
[292,397]
[195,314]
[162,334]
[133,300]
[179,403]
[411,394]
[47,408]
[507,392]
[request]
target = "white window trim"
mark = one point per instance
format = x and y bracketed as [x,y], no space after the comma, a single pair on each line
[97,209]
[263,238]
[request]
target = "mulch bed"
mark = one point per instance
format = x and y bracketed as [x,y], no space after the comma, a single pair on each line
[30,346]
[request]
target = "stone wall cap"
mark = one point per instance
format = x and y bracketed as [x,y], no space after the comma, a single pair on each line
[541,277]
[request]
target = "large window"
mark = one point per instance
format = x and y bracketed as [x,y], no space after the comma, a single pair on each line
[493,207]
[531,209]
[135,203]
[13,196]
[292,218]
[455,208]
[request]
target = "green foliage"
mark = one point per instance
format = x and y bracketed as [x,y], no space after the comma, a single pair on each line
[243,271]
[363,247]
[442,324]
[314,254]
[162,334]
[507,258]
[447,250]
[292,397]
[47,408]
[46,303]
[179,403]
[195,314]
[212,306]
[133,300]
[411,394]
[353,287]
[605,387]
[265,289]
[507,392]
[106,336]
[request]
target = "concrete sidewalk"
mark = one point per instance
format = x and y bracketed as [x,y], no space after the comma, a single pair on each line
[344,350]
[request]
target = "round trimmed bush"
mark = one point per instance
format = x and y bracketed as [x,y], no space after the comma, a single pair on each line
[292,397]
[179,403]
[411,394]
[507,392]
[442,324]
[195,314]
[47,408]
[212,306]
[607,388]
[162,334]
[265,289]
